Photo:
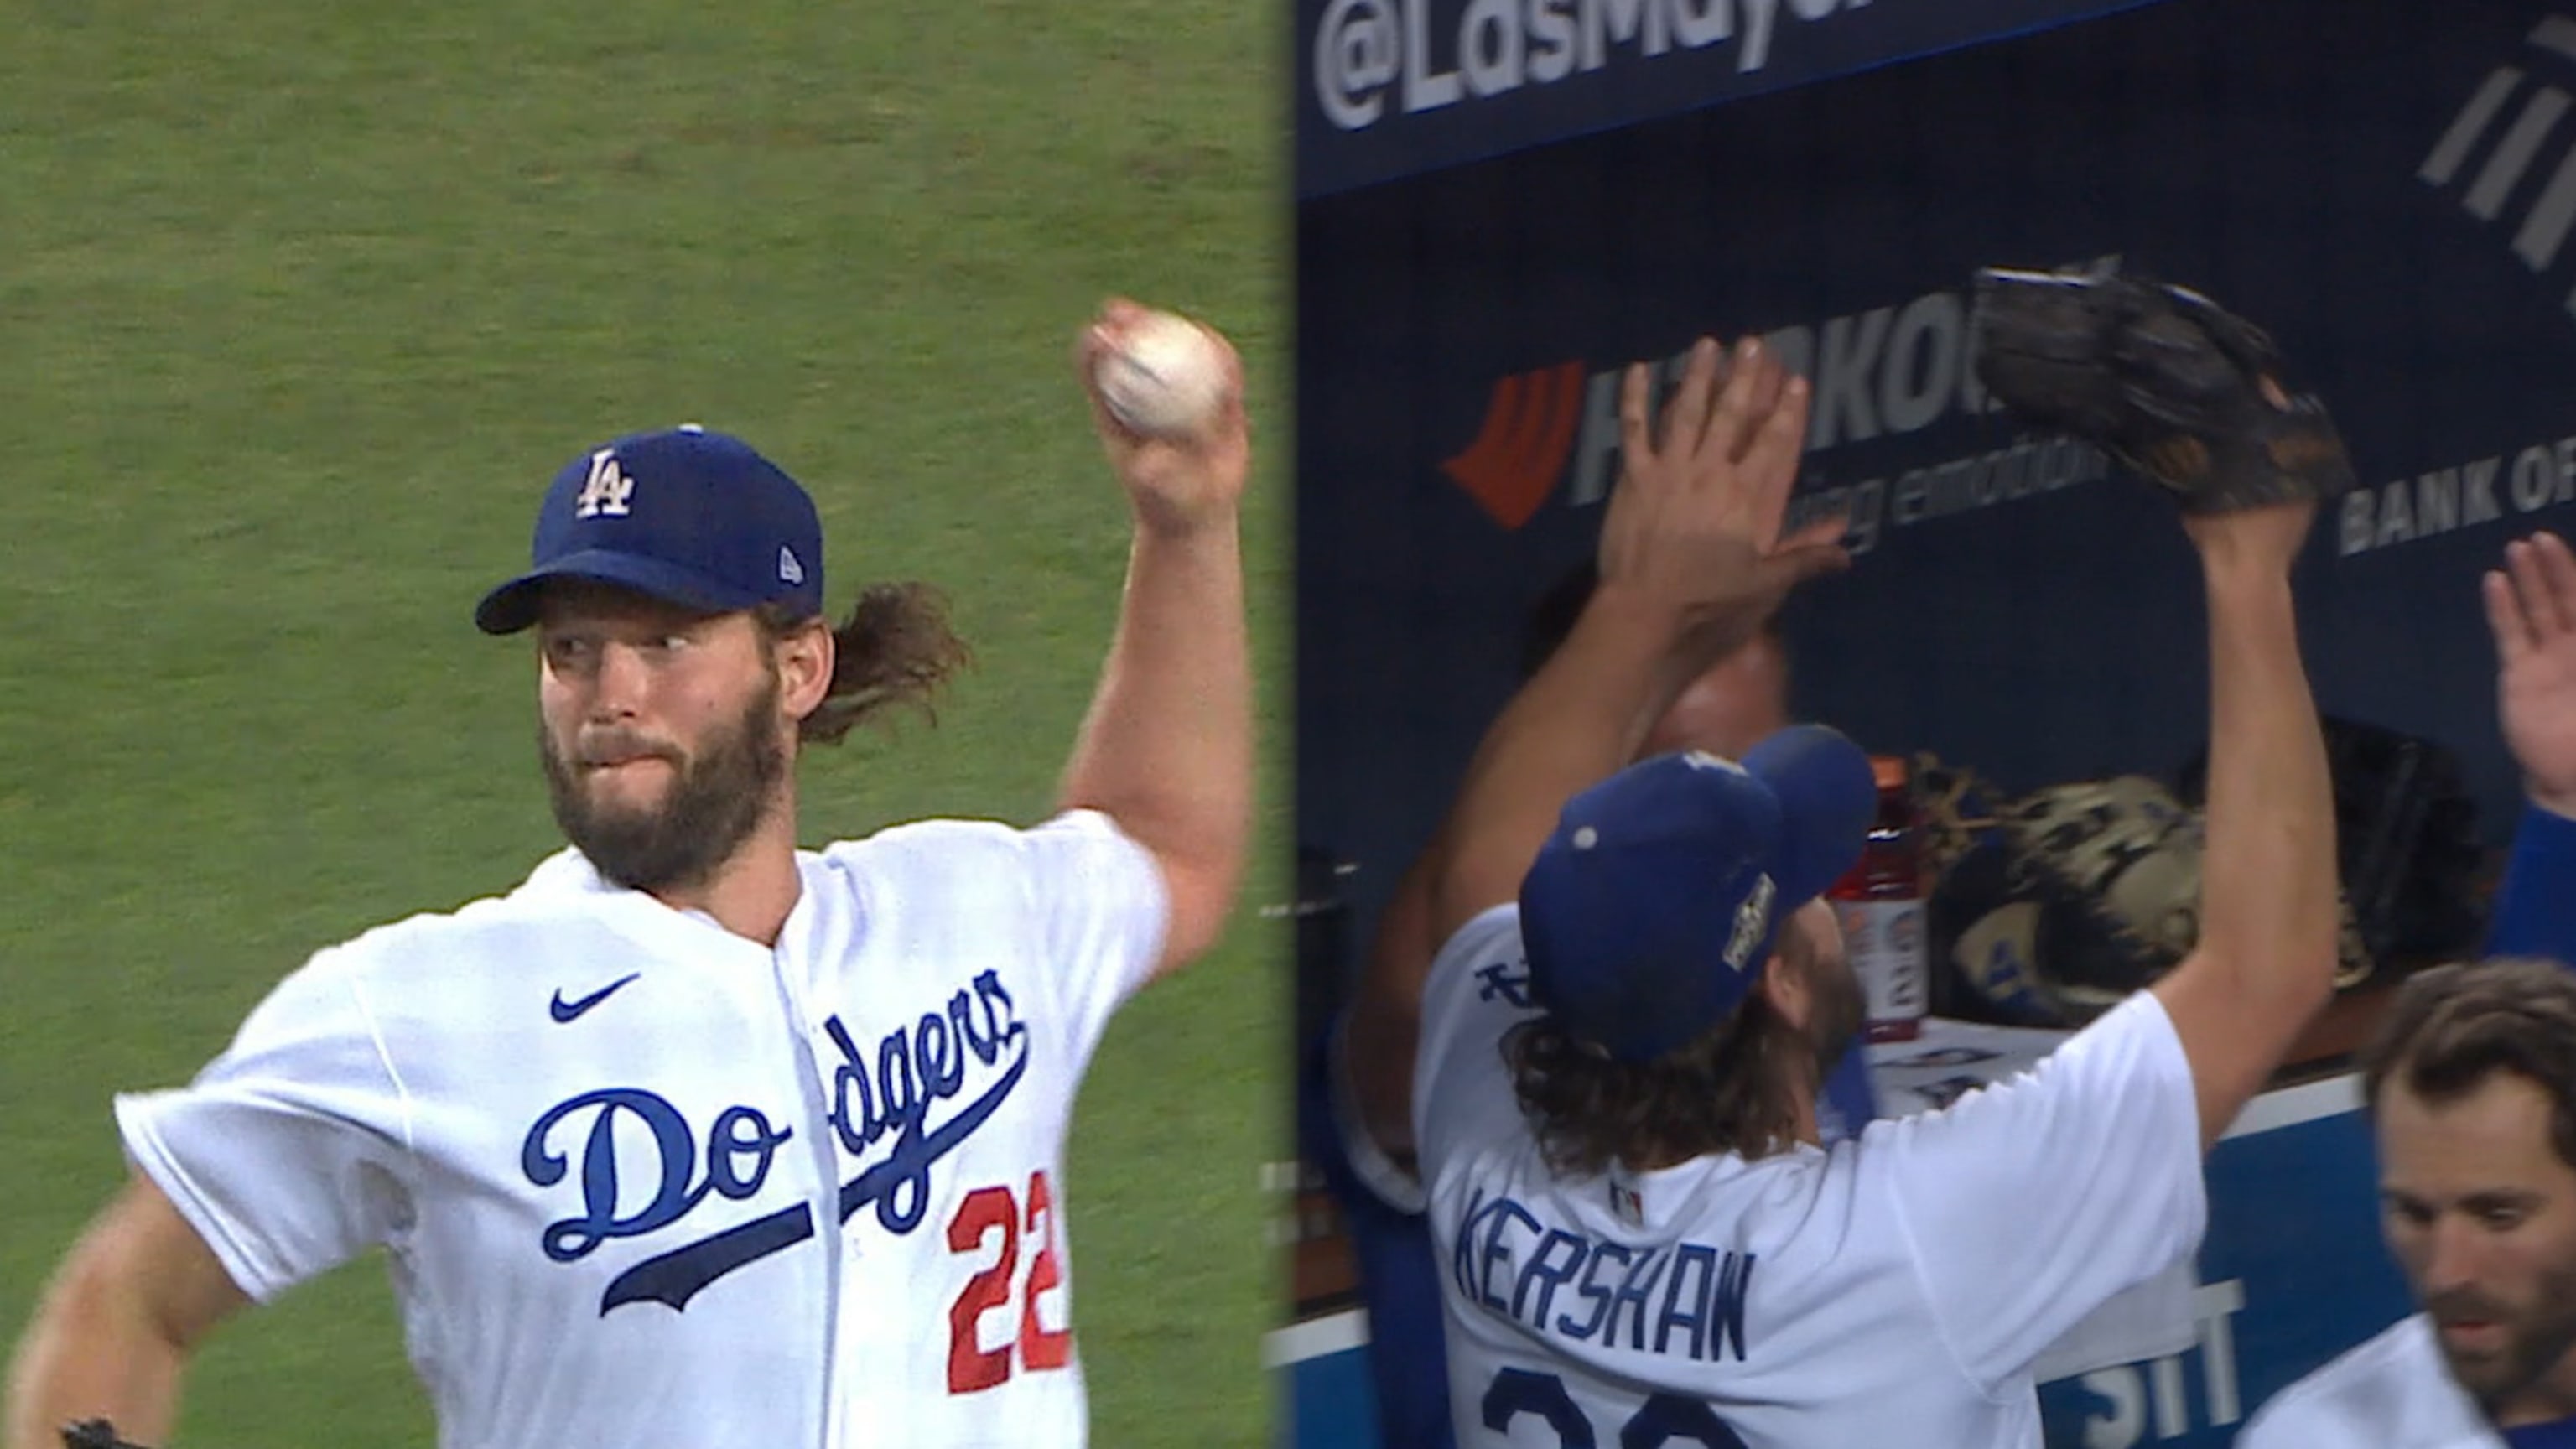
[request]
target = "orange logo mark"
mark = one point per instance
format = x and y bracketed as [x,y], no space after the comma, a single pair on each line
[1529,425]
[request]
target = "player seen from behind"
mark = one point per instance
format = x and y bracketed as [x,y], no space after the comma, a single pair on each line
[1638,995]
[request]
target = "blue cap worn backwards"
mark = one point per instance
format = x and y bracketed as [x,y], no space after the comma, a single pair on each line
[1651,911]
[688,516]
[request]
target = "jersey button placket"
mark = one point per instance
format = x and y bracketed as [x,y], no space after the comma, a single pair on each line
[813,1089]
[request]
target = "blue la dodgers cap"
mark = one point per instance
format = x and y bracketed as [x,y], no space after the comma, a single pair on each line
[1651,911]
[686,515]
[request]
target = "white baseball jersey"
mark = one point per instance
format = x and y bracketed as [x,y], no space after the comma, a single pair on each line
[2391,1392]
[644,1182]
[1893,1290]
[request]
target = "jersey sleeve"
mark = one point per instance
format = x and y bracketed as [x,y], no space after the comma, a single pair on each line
[1476,992]
[2535,911]
[2029,1203]
[1101,911]
[290,1153]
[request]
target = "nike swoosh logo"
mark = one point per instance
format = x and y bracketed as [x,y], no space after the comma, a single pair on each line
[563,1010]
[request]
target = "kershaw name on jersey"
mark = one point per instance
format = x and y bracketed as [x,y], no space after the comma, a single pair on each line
[1685,1298]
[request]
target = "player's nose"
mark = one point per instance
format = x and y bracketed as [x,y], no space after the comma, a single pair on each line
[618,685]
[2451,1255]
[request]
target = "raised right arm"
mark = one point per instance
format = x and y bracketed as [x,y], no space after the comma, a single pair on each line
[2266,957]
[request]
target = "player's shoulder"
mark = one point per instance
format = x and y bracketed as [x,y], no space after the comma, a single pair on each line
[1483,961]
[963,832]
[562,887]
[434,947]
[942,834]
[2089,1076]
[1489,941]
[2391,1388]
[946,845]
[1477,989]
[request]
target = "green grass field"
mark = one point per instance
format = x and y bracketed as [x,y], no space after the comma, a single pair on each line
[299,308]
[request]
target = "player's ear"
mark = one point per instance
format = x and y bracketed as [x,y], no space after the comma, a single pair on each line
[804,655]
[1787,988]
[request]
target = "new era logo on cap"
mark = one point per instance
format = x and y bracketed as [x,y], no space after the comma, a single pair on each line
[689,516]
[1648,915]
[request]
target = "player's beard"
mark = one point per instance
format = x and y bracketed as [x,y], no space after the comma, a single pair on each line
[2539,1331]
[718,796]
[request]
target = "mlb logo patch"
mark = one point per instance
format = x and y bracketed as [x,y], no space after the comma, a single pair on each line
[1626,1202]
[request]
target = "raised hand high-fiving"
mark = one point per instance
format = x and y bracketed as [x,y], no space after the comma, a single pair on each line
[2531,607]
[1695,521]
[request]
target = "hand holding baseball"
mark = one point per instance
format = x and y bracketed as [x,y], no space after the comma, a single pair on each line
[1167,400]
[2531,607]
[1695,521]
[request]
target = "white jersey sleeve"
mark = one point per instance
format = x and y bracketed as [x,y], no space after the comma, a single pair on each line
[1476,992]
[2033,1201]
[1102,908]
[290,1153]
[1081,904]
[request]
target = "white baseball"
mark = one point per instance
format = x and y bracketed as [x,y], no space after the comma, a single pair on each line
[1163,378]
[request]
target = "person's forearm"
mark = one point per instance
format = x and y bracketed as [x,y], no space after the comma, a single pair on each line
[83,1358]
[1167,748]
[1575,722]
[1578,721]
[2269,903]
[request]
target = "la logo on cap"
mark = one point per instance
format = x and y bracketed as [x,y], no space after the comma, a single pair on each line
[604,493]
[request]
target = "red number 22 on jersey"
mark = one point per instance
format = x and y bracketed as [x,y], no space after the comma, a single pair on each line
[985,1211]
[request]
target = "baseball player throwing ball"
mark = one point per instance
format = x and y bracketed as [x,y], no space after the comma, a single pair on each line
[696,1138]
[1641,1241]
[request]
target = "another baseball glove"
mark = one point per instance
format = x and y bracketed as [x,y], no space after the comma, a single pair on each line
[2162,379]
[2083,894]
